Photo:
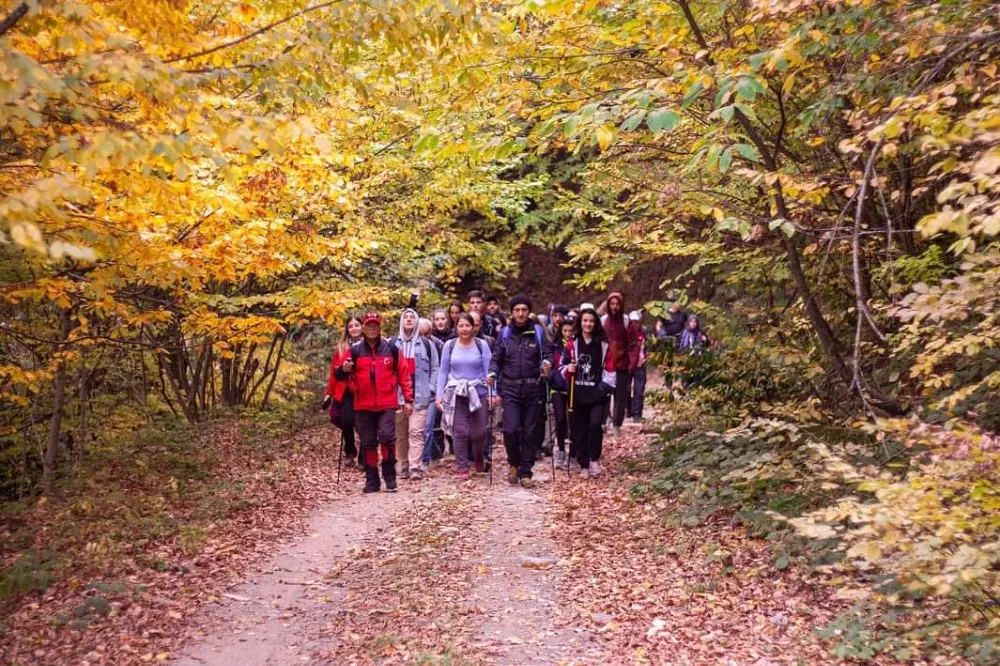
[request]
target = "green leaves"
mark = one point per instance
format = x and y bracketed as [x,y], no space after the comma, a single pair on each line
[786,227]
[662,120]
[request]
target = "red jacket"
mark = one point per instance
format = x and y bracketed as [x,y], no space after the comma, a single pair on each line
[337,387]
[377,375]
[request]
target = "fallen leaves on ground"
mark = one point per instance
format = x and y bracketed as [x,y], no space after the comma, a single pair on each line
[408,588]
[123,599]
[658,594]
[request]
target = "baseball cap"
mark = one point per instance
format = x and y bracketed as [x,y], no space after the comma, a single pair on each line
[635,315]
[371,317]
[587,306]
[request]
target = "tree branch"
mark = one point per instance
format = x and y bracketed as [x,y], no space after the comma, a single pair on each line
[12,19]
[255,33]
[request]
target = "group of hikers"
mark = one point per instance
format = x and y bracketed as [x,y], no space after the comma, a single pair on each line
[437,386]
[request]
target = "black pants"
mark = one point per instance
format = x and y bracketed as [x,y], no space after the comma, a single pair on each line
[377,429]
[346,424]
[588,435]
[560,403]
[638,385]
[622,386]
[523,420]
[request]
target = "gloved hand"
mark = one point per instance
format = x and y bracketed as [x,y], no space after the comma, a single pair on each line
[327,401]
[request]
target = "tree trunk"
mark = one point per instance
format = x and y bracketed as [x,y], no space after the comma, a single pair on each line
[58,397]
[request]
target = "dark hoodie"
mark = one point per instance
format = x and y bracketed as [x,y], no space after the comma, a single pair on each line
[622,336]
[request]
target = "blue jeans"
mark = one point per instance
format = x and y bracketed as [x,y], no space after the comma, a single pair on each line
[432,421]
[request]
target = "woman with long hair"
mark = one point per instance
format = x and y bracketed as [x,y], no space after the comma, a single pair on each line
[461,394]
[454,310]
[442,327]
[590,369]
[340,393]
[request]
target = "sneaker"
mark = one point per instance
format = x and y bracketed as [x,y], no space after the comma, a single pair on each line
[435,462]
[561,459]
[348,462]
[416,474]
[425,466]
[404,474]
[464,476]
[526,482]
[595,468]
[547,451]
[512,475]
[584,474]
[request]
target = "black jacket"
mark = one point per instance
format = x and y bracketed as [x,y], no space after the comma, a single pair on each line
[517,361]
[674,322]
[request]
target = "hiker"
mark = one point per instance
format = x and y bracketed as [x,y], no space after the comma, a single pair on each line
[441,326]
[559,391]
[624,344]
[673,322]
[637,379]
[478,331]
[557,315]
[588,363]
[453,311]
[477,305]
[424,327]
[493,310]
[421,359]
[517,368]
[339,398]
[461,391]
[693,339]
[378,375]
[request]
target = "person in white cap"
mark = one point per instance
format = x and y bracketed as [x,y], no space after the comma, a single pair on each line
[637,378]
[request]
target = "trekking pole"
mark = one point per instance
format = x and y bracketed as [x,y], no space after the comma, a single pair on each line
[340,456]
[490,440]
[569,410]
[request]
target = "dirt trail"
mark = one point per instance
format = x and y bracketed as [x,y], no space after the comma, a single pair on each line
[269,619]
[440,570]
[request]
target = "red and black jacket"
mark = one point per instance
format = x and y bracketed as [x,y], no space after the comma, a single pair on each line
[378,373]
[335,387]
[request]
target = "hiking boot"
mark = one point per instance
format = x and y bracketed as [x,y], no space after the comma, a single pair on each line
[527,482]
[405,474]
[584,473]
[512,475]
[561,459]
[371,480]
[389,474]
[464,475]
[416,475]
[595,468]
[547,451]
[348,462]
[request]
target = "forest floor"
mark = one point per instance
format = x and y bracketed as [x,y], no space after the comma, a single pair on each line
[443,572]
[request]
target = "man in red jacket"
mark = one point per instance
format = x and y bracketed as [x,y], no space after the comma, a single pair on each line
[377,372]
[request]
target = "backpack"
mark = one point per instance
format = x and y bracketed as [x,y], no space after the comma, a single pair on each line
[450,347]
[427,344]
[539,337]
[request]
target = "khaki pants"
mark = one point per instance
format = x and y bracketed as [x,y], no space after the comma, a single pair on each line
[410,438]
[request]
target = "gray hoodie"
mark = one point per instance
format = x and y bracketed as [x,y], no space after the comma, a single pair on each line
[422,357]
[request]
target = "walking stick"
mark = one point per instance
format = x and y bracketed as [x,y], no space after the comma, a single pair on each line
[489,431]
[340,456]
[572,386]
[548,428]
